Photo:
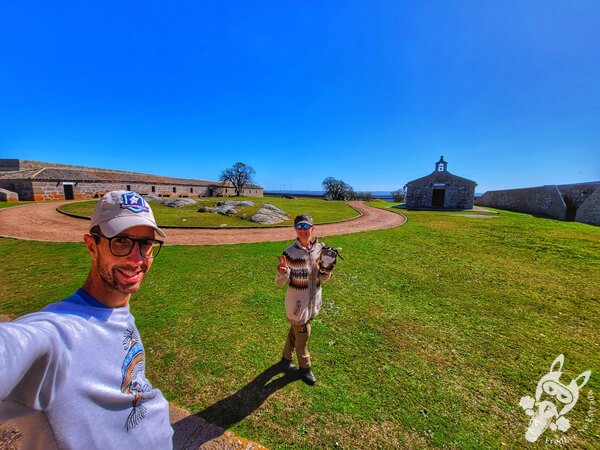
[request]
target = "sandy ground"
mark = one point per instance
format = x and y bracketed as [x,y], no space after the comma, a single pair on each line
[41,222]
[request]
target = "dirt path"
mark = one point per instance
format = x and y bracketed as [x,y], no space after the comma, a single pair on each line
[41,222]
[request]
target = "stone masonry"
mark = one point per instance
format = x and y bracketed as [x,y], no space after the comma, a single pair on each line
[579,201]
[41,181]
[440,190]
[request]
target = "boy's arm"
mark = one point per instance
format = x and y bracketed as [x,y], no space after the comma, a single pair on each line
[282,278]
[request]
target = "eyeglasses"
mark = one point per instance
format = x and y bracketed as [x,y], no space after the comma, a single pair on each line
[123,245]
[303,226]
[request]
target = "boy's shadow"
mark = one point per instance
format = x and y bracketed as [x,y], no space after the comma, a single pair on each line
[237,406]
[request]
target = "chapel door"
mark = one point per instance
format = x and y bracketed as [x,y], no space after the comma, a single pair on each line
[437,201]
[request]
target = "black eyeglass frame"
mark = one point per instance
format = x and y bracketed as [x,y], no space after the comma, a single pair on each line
[303,226]
[139,242]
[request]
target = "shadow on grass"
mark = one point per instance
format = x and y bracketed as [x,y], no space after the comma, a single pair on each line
[232,409]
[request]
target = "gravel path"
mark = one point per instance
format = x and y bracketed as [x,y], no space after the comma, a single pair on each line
[41,222]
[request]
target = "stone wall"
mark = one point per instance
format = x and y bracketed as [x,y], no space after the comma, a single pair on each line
[23,188]
[589,211]
[543,201]
[9,164]
[575,195]
[40,191]
[8,196]
[459,193]
[51,187]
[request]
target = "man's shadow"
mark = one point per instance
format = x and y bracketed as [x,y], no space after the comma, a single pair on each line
[237,406]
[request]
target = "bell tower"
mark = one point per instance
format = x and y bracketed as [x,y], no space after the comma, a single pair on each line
[441,165]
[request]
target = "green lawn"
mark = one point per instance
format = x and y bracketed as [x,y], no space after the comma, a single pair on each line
[11,204]
[429,335]
[188,216]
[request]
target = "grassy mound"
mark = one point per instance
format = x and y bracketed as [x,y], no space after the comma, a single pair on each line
[188,216]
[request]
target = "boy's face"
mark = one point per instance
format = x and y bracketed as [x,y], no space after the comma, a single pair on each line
[303,233]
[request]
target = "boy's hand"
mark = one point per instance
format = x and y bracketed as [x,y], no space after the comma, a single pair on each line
[282,267]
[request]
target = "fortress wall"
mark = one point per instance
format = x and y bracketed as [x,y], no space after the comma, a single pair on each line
[23,189]
[589,211]
[543,201]
[576,194]
[8,196]
[45,190]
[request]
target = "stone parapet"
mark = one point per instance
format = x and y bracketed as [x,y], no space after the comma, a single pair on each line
[543,201]
[589,211]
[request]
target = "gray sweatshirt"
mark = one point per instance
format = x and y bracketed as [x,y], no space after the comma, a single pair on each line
[74,377]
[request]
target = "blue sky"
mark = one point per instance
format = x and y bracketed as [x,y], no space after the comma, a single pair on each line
[371,92]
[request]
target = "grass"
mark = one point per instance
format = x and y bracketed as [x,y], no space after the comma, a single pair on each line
[429,335]
[188,216]
[11,204]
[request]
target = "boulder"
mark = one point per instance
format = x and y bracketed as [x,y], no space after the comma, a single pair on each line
[179,202]
[171,202]
[238,203]
[153,198]
[226,210]
[269,214]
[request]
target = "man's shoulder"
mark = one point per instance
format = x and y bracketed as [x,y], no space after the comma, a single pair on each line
[66,311]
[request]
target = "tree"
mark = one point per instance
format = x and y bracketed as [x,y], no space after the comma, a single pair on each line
[399,195]
[239,175]
[337,189]
[364,196]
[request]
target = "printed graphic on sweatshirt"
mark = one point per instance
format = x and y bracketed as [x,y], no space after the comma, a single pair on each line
[133,372]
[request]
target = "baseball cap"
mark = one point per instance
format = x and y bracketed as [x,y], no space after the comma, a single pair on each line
[118,210]
[303,218]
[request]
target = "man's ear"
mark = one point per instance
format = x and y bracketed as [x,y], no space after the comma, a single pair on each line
[90,243]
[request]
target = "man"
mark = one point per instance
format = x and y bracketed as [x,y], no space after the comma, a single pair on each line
[73,374]
[301,269]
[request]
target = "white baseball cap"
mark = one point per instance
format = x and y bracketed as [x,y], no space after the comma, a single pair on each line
[119,210]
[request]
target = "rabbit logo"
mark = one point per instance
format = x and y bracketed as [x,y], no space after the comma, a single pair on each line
[553,400]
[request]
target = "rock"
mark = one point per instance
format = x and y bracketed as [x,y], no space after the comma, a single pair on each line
[179,202]
[239,203]
[226,210]
[269,214]
[153,198]
[263,218]
[173,203]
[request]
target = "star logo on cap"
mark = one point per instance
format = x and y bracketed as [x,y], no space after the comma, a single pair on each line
[134,203]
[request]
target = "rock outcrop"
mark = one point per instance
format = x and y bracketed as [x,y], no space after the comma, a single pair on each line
[269,214]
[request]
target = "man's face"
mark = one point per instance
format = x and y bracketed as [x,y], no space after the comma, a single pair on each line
[123,274]
[303,234]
